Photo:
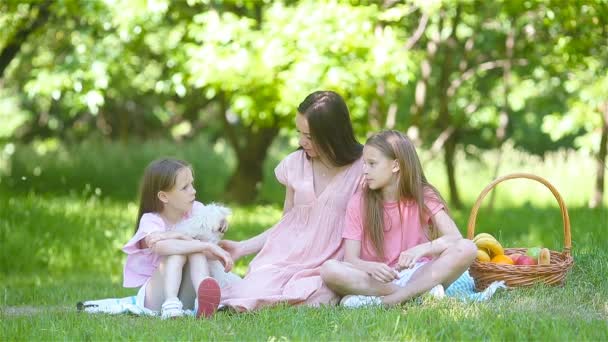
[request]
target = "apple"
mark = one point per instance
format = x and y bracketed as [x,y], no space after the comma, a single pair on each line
[525,260]
[533,252]
[515,256]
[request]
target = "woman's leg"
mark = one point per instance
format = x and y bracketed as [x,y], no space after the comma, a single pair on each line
[165,282]
[450,265]
[344,279]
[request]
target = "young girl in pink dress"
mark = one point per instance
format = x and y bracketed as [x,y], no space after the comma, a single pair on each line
[166,265]
[319,179]
[400,241]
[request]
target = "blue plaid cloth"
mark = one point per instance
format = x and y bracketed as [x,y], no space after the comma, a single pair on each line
[464,288]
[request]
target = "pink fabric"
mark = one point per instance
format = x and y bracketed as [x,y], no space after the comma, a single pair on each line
[287,268]
[401,231]
[142,262]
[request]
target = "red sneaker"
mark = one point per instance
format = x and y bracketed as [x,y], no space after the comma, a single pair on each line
[209,295]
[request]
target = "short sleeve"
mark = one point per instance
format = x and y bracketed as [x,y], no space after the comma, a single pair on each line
[282,170]
[353,229]
[433,203]
[149,223]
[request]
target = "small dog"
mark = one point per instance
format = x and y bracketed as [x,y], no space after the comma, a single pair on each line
[208,223]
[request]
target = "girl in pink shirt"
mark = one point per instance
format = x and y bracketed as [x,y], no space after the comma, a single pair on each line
[399,240]
[165,264]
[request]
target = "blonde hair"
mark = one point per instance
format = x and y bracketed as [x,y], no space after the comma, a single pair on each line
[160,175]
[412,184]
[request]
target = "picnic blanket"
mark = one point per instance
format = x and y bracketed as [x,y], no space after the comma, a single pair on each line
[463,289]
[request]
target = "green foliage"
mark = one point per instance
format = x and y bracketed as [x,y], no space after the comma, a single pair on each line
[101,168]
[173,69]
[73,254]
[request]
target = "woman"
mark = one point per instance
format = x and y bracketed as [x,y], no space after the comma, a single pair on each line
[320,178]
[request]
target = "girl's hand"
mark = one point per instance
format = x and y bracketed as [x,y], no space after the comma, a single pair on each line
[232,247]
[381,272]
[153,238]
[181,236]
[223,256]
[408,259]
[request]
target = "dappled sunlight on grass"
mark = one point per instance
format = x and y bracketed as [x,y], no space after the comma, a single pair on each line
[572,173]
[64,246]
[64,233]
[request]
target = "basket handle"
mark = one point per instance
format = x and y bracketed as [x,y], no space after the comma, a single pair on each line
[560,201]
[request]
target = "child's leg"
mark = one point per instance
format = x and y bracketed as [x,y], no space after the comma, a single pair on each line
[198,267]
[165,282]
[344,279]
[195,270]
[450,265]
[208,292]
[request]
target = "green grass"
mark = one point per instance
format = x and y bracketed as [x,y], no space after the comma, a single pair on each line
[61,247]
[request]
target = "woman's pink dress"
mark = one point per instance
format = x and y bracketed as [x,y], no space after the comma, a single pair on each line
[286,270]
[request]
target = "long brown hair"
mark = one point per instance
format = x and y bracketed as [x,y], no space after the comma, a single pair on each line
[160,175]
[330,127]
[412,185]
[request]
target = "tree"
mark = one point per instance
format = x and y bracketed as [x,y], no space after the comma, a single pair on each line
[582,71]
[260,68]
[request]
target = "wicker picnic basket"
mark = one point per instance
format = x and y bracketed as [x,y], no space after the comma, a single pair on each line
[485,273]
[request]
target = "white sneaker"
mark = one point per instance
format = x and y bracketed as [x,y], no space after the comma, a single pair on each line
[358,301]
[171,308]
[437,292]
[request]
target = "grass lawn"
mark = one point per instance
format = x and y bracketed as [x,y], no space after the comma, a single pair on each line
[58,249]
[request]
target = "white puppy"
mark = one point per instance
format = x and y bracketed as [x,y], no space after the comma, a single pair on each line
[208,223]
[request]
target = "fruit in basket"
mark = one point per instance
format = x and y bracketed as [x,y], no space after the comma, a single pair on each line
[482,255]
[525,260]
[533,252]
[491,244]
[514,256]
[480,235]
[544,257]
[502,259]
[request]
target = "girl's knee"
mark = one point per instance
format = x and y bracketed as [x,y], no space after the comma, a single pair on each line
[467,249]
[176,259]
[196,256]
[331,270]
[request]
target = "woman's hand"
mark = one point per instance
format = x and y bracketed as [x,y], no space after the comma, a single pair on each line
[408,258]
[224,257]
[381,272]
[232,247]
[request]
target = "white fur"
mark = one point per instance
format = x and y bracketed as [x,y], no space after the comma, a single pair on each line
[204,225]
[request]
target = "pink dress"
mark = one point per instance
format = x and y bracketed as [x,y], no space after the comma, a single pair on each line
[142,263]
[286,270]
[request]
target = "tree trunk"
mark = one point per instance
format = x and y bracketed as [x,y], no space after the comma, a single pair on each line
[598,194]
[503,117]
[444,112]
[251,147]
[13,46]
[243,184]
[450,152]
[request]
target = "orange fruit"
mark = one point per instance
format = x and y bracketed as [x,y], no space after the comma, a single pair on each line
[502,259]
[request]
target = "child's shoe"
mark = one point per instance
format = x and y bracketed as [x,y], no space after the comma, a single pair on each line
[437,292]
[208,297]
[359,301]
[171,308]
